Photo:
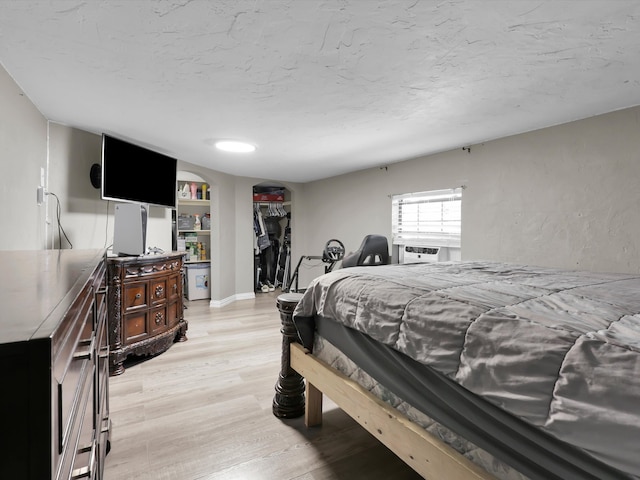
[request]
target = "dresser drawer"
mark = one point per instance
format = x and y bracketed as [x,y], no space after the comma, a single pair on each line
[135,296]
[102,365]
[72,367]
[100,293]
[158,291]
[81,429]
[172,314]
[158,320]
[135,327]
[173,288]
[84,450]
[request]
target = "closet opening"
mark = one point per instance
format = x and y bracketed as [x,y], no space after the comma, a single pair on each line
[272,237]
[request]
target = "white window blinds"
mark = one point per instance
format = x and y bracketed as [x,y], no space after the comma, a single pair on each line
[427,218]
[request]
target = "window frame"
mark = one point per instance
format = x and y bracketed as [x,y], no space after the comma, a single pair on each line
[440,208]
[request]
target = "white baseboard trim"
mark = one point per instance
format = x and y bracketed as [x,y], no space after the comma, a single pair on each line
[231,299]
[245,296]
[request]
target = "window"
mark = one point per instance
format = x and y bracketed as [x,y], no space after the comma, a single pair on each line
[427,218]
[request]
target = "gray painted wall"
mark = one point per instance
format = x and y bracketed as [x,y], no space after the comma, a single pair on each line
[564,196]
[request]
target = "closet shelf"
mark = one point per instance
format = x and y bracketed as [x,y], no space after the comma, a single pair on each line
[199,232]
[266,204]
[188,201]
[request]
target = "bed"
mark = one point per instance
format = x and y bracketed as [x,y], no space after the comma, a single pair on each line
[479,369]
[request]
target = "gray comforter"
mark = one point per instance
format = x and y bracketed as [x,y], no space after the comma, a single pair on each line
[558,349]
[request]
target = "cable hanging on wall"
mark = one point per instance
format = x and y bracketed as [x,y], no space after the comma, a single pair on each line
[61,231]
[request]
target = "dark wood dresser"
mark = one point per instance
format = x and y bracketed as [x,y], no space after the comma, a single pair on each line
[145,306]
[53,345]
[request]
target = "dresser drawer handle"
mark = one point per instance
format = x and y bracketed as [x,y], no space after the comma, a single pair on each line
[88,353]
[104,352]
[138,296]
[86,472]
[106,425]
[100,292]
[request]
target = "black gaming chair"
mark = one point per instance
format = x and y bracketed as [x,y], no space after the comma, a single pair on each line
[374,250]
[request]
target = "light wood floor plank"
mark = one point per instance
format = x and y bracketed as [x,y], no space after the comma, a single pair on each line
[202,411]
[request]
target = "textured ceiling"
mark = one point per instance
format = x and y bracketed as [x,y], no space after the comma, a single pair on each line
[322,87]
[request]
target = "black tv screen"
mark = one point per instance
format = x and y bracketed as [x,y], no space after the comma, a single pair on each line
[132,173]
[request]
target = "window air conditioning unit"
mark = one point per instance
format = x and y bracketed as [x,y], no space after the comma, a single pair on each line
[413,254]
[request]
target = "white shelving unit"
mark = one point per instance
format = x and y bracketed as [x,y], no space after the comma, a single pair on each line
[188,206]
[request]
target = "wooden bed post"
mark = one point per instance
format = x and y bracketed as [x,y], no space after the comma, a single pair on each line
[289,399]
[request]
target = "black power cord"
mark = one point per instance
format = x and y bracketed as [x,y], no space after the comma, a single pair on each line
[61,231]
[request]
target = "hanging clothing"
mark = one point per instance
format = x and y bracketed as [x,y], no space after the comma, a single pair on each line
[259,228]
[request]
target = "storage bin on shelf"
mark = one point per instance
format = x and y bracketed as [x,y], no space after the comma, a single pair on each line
[186,221]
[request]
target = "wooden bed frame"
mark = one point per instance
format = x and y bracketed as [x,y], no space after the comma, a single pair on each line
[426,454]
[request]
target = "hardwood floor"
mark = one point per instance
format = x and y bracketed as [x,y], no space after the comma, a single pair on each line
[202,411]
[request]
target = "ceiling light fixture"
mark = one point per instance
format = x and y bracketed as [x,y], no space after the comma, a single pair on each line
[235,146]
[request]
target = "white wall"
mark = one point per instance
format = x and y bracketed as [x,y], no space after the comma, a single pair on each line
[23,152]
[86,218]
[71,154]
[565,196]
[28,142]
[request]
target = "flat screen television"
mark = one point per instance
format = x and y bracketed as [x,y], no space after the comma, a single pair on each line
[131,173]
